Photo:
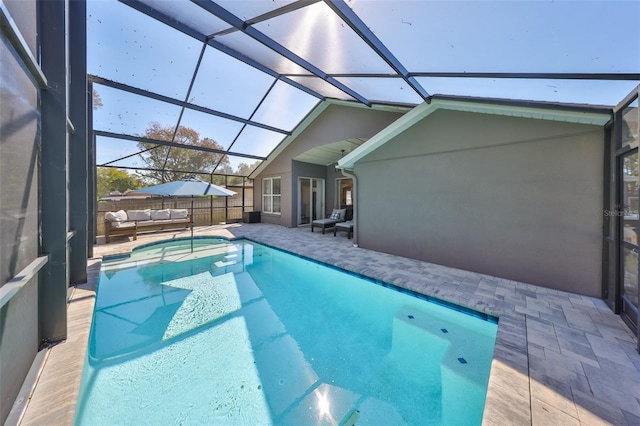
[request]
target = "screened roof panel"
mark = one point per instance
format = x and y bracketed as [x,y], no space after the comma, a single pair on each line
[322,87]
[226,84]
[260,53]
[127,46]
[383,89]
[318,35]
[246,10]
[502,39]
[237,166]
[127,113]
[566,91]
[190,14]
[178,159]
[110,149]
[285,106]
[256,141]
[580,36]
[219,129]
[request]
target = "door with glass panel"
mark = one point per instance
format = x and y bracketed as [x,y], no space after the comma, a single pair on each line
[310,200]
[622,251]
[629,249]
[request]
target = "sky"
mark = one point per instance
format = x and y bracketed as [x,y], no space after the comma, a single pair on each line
[126,46]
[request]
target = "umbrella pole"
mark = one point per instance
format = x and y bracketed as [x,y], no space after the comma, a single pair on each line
[192,224]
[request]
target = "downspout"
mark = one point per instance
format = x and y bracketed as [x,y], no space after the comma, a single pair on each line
[351,175]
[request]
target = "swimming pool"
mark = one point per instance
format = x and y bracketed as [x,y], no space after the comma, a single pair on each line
[240,333]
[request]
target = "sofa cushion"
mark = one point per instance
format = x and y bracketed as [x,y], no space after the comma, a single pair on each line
[179,213]
[142,223]
[160,214]
[120,225]
[119,216]
[139,214]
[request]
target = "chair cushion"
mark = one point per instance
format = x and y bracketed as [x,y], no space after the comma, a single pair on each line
[346,225]
[327,221]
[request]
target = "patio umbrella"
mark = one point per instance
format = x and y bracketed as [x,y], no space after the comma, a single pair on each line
[191,186]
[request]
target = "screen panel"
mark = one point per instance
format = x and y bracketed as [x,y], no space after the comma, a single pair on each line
[131,114]
[129,47]
[593,92]
[226,84]
[318,35]
[383,89]
[19,170]
[503,36]
[284,107]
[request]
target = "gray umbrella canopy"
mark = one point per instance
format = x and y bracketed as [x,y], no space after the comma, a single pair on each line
[187,187]
[191,186]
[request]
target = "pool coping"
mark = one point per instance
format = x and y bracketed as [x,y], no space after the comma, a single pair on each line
[560,358]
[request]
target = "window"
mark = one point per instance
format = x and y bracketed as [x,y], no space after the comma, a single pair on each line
[271,195]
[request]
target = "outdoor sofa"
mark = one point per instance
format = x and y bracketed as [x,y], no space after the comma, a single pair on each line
[131,222]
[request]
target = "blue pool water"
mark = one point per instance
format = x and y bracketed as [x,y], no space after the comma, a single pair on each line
[240,333]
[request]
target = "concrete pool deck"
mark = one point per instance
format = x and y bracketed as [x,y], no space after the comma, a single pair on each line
[560,358]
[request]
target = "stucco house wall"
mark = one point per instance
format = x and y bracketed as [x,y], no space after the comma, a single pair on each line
[335,123]
[511,197]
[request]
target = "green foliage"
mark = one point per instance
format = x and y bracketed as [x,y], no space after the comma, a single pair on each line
[97,100]
[243,170]
[184,161]
[110,179]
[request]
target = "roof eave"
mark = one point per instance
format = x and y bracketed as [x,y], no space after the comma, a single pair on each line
[597,116]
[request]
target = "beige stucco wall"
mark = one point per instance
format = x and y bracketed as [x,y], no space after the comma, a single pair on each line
[510,197]
[335,123]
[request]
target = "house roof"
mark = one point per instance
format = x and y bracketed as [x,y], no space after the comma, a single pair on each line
[570,113]
[312,117]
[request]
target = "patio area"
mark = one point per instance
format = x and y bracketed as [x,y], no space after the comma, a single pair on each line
[560,358]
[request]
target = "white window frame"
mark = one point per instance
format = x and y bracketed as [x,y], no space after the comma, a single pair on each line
[269,197]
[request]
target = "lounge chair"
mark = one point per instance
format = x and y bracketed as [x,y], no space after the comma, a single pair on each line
[338,215]
[344,226]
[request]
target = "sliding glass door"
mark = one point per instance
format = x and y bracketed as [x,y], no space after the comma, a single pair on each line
[310,200]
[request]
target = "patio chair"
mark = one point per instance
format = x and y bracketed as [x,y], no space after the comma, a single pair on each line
[336,216]
[344,226]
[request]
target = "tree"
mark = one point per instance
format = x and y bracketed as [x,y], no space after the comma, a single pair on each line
[109,179]
[246,169]
[97,100]
[187,162]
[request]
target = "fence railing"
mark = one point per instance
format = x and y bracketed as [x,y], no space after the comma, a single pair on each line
[206,210]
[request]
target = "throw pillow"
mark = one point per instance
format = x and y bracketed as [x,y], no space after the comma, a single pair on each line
[111,217]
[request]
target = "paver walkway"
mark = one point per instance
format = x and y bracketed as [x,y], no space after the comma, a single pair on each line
[560,358]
